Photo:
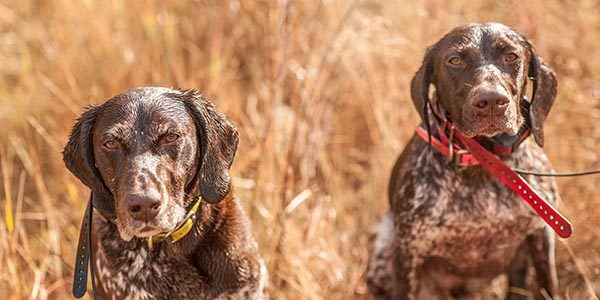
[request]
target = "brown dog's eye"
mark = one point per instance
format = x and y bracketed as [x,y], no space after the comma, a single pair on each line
[511,57]
[171,137]
[456,61]
[112,145]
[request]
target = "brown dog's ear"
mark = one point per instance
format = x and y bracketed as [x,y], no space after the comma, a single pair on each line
[544,94]
[419,86]
[78,156]
[218,139]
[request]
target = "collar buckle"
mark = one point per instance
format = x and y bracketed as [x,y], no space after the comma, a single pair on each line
[180,230]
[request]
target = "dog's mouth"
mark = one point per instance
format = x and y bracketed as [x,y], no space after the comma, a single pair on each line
[147,231]
[490,126]
[164,222]
[503,126]
[129,230]
[490,131]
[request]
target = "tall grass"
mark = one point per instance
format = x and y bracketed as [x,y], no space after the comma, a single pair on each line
[319,90]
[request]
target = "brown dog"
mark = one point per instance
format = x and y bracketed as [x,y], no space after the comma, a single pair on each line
[452,229]
[147,155]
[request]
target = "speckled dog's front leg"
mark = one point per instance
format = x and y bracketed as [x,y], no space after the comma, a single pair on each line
[379,271]
[541,245]
[405,261]
[517,274]
[405,275]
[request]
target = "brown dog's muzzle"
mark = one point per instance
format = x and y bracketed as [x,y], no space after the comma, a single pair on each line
[140,195]
[489,101]
[489,108]
[143,206]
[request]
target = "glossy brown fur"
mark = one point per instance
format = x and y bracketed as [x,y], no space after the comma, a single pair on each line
[164,145]
[451,230]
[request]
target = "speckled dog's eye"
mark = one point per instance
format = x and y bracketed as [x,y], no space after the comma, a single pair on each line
[456,61]
[510,57]
[171,137]
[111,145]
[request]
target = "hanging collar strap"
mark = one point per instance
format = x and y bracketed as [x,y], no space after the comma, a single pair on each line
[517,184]
[465,151]
[85,253]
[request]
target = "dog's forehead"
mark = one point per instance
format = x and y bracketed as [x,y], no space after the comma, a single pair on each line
[480,36]
[149,110]
[147,99]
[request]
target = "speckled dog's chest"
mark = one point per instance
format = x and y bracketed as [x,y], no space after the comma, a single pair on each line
[143,275]
[487,231]
[468,248]
[469,221]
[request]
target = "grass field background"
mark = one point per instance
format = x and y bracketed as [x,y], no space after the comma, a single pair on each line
[320,93]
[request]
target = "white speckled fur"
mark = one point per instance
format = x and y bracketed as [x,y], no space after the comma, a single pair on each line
[457,227]
[128,270]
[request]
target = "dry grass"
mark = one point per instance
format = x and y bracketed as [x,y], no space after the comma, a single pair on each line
[319,90]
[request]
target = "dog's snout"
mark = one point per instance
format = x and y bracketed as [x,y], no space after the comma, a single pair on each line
[144,207]
[487,100]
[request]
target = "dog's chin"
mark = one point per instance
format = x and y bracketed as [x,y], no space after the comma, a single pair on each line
[127,233]
[165,221]
[475,131]
[490,132]
[135,229]
[484,129]
[505,128]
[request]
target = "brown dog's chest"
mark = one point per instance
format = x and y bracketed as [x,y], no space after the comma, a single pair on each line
[144,275]
[478,250]
[129,270]
[476,233]
[465,221]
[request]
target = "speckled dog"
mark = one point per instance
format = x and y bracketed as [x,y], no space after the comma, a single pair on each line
[147,155]
[452,229]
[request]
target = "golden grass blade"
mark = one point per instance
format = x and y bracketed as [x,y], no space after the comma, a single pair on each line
[8,211]
[320,93]
[582,271]
[10,223]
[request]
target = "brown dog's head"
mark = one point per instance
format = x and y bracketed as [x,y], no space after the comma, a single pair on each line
[480,74]
[145,154]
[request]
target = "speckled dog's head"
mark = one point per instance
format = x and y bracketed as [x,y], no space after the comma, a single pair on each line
[146,152]
[480,73]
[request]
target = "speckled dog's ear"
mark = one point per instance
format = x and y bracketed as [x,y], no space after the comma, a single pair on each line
[544,94]
[419,86]
[218,139]
[78,156]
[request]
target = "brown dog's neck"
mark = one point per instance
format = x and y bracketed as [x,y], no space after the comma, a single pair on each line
[220,245]
[517,159]
[226,250]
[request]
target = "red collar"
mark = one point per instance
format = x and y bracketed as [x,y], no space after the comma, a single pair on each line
[503,146]
[464,151]
[457,154]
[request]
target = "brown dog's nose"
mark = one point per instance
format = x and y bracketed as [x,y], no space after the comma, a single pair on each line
[485,99]
[143,207]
